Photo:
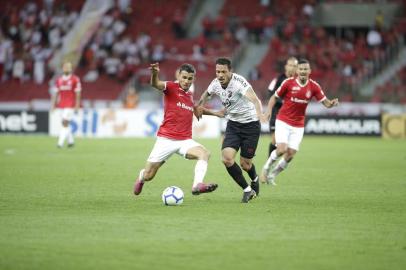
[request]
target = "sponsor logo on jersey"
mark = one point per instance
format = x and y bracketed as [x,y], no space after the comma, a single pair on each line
[298,100]
[295,88]
[184,106]
[65,87]
[240,80]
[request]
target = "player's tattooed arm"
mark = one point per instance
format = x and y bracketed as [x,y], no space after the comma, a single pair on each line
[155,81]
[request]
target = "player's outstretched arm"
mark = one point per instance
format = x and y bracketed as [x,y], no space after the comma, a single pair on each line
[220,113]
[330,103]
[155,82]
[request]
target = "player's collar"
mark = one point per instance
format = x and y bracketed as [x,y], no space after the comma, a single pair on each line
[302,85]
[66,77]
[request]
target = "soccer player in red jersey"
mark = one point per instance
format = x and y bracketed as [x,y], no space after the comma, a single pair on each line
[67,98]
[175,133]
[296,93]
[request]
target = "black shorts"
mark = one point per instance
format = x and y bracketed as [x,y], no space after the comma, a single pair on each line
[244,136]
[275,111]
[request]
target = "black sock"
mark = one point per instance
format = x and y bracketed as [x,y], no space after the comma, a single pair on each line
[236,173]
[271,148]
[252,173]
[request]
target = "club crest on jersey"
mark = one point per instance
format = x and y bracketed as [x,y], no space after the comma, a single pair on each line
[308,94]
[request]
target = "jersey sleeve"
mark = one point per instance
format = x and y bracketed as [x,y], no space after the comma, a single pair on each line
[281,91]
[78,86]
[272,85]
[245,85]
[210,89]
[318,92]
[168,85]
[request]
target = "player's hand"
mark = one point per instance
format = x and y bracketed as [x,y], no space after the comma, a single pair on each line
[154,68]
[263,118]
[198,111]
[334,102]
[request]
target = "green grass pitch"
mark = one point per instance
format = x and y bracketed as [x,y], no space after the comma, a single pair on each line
[340,205]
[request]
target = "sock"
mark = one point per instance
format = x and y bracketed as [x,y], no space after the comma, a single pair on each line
[247,189]
[200,172]
[71,140]
[63,133]
[271,160]
[236,173]
[282,165]
[141,176]
[271,148]
[252,173]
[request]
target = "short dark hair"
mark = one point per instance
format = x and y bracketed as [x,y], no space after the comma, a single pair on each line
[224,61]
[188,68]
[303,61]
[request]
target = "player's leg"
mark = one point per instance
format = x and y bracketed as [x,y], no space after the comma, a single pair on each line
[194,150]
[161,151]
[63,133]
[272,145]
[67,114]
[281,139]
[250,137]
[295,138]
[146,174]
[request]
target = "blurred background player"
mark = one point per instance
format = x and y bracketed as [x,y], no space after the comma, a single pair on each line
[243,110]
[67,98]
[175,133]
[296,93]
[290,71]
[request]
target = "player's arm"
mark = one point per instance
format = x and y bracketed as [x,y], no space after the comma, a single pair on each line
[251,96]
[155,81]
[77,104]
[271,103]
[54,98]
[199,109]
[330,103]
[220,113]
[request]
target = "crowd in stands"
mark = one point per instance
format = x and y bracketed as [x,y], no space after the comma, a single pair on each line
[130,37]
[29,36]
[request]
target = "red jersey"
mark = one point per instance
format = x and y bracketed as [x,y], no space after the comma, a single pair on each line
[178,113]
[296,97]
[67,86]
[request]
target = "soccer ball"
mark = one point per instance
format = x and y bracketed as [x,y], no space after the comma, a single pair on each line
[172,196]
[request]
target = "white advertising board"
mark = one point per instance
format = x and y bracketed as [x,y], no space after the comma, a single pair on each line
[109,123]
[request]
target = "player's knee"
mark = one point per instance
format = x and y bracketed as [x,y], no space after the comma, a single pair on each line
[206,154]
[227,161]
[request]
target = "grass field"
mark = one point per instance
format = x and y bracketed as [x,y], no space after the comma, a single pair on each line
[340,205]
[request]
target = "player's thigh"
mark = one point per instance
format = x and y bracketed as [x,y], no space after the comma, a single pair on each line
[67,114]
[232,138]
[163,149]
[250,137]
[282,132]
[295,138]
[191,149]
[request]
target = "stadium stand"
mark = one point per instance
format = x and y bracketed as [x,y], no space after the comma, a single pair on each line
[130,37]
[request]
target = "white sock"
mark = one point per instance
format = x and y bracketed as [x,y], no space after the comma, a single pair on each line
[282,165]
[271,160]
[247,189]
[62,135]
[71,140]
[141,176]
[200,172]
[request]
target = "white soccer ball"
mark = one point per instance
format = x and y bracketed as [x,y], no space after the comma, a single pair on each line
[172,196]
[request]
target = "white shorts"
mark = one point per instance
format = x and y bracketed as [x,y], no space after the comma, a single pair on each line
[288,134]
[67,114]
[164,148]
